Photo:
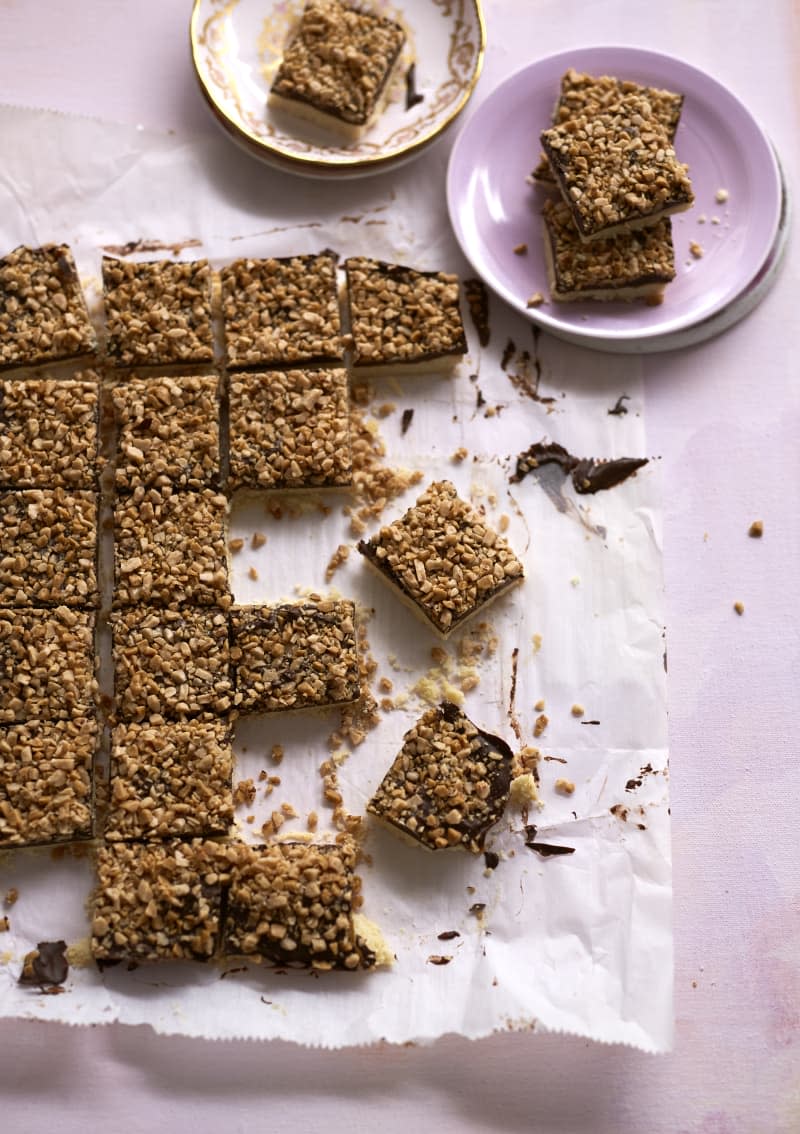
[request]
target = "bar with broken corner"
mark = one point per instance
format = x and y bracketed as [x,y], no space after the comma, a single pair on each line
[448,785]
[403,320]
[158,312]
[443,559]
[170,779]
[46,785]
[295,655]
[167,433]
[281,312]
[47,664]
[294,904]
[290,429]
[43,313]
[49,432]
[170,662]
[338,67]
[616,168]
[633,265]
[171,547]
[48,548]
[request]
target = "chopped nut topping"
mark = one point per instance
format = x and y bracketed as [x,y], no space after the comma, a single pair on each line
[756,529]
[46,664]
[48,432]
[443,558]
[738,606]
[48,548]
[281,311]
[294,656]
[43,316]
[157,312]
[290,429]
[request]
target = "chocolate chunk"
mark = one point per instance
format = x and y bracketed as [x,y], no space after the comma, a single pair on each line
[46,964]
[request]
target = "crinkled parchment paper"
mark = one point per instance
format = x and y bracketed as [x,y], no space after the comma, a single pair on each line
[578,942]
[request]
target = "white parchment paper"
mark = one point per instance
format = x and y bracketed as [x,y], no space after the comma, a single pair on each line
[580,942]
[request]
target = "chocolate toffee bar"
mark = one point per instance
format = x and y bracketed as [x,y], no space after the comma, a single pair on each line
[43,315]
[47,664]
[290,429]
[634,265]
[449,783]
[49,432]
[157,312]
[443,559]
[580,92]
[46,781]
[167,433]
[172,662]
[402,319]
[170,779]
[616,169]
[295,655]
[48,548]
[281,312]
[170,547]
[338,67]
[157,901]
[293,904]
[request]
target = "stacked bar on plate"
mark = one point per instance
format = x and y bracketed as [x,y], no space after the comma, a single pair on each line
[610,155]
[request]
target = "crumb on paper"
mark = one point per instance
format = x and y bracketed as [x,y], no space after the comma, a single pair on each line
[252,574]
[738,606]
[235,545]
[523,790]
[340,556]
[756,529]
[537,643]
[696,249]
[535,300]
[540,724]
[312,820]
[520,249]
[5,924]
[386,409]
[459,455]
[258,540]
[566,787]
[578,710]
[385,685]
[276,754]
[244,792]
[721,196]
[716,220]
[539,706]
[575,581]
[701,219]
[503,523]
[11,896]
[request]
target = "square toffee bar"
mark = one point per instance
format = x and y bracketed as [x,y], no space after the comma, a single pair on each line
[167,433]
[402,319]
[290,429]
[47,664]
[49,432]
[157,901]
[170,780]
[295,655]
[48,548]
[170,547]
[337,69]
[293,904]
[170,663]
[616,169]
[46,782]
[43,314]
[158,312]
[443,559]
[281,312]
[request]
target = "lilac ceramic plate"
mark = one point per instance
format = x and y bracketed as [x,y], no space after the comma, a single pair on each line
[493,209]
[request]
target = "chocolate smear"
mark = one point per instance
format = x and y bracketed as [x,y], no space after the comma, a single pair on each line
[478,302]
[620,409]
[590,476]
[477,908]
[405,421]
[143,245]
[439,960]
[45,965]
[413,97]
[544,849]
[509,350]
[491,859]
[448,935]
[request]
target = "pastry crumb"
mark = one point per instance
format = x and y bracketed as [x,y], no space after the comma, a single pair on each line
[537,643]
[252,574]
[258,540]
[578,710]
[738,606]
[520,249]
[244,792]
[721,196]
[5,925]
[566,787]
[459,455]
[539,706]
[756,529]
[535,300]
[696,249]
[235,545]
[540,725]
[523,790]
[11,896]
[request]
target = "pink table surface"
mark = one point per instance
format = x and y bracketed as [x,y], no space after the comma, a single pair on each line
[725,418]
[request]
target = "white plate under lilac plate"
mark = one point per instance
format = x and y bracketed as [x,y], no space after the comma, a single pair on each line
[493,209]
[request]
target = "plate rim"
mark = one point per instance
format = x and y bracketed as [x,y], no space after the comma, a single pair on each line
[623,339]
[375,163]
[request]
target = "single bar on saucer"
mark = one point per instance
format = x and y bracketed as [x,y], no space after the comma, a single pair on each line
[616,169]
[448,785]
[46,794]
[290,429]
[295,655]
[158,312]
[170,779]
[281,312]
[158,901]
[47,664]
[580,92]
[43,314]
[294,905]
[167,432]
[443,559]
[49,432]
[634,265]
[171,662]
[170,547]
[403,320]
[338,67]
[48,548]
